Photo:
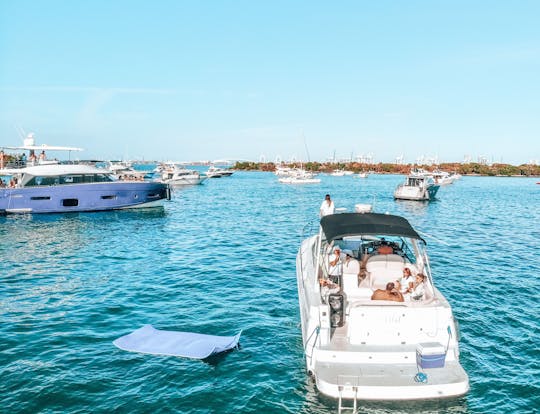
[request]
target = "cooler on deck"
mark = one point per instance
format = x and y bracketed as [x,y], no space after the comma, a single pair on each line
[430,355]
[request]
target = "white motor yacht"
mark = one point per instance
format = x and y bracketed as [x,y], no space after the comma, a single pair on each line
[216,172]
[357,348]
[299,176]
[123,170]
[442,177]
[176,175]
[417,187]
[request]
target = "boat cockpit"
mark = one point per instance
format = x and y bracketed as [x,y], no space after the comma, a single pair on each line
[368,263]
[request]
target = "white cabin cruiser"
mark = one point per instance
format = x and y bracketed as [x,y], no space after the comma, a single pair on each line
[216,172]
[300,176]
[362,349]
[417,187]
[176,175]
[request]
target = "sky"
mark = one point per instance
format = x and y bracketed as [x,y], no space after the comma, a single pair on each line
[189,80]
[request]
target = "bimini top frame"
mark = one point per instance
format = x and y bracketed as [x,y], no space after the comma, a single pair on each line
[337,226]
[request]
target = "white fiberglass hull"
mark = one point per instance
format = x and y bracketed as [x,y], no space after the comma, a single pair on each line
[373,355]
[292,180]
[370,381]
[185,181]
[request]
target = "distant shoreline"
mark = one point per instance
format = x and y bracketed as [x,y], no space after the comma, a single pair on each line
[469,169]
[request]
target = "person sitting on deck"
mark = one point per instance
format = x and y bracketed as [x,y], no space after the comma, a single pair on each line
[390,293]
[407,281]
[418,290]
[385,249]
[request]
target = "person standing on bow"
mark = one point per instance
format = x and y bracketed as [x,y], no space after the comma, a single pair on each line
[327,206]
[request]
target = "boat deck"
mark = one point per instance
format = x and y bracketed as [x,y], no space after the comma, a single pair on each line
[368,381]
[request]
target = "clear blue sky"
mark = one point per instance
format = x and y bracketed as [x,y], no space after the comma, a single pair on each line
[192,80]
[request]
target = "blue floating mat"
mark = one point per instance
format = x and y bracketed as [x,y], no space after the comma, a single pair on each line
[149,340]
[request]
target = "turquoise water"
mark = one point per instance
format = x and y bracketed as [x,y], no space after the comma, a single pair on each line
[221,257]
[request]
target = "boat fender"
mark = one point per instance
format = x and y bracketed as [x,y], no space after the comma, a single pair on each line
[421,377]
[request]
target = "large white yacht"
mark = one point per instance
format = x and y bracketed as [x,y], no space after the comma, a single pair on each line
[358,348]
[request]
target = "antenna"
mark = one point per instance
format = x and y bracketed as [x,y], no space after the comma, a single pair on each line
[20,131]
[305,144]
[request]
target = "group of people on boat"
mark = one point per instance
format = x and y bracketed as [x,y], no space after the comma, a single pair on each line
[407,288]
[21,160]
[398,291]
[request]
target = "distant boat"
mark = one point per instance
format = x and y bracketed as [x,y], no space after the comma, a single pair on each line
[216,172]
[299,176]
[417,187]
[123,170]
[299,180]
[362,175]
[176,175]
[341,173]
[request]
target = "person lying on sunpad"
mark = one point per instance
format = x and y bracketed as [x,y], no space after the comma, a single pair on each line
[390,293]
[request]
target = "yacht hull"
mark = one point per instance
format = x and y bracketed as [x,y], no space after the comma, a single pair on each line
[416,193]
[82,197]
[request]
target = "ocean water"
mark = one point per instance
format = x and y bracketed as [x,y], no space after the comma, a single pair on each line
[220,258]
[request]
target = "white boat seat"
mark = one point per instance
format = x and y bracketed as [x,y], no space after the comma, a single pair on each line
[384,268]
[351,289]
[352,266]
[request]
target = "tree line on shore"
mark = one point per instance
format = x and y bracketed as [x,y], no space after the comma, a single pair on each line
[472,168]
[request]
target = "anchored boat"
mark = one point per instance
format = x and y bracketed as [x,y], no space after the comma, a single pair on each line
[417,187]
[53,187]
[359,348]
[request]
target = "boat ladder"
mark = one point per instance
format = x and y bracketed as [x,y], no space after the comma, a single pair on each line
[342,407]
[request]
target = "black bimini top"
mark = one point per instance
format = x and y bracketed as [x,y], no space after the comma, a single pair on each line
[337,226]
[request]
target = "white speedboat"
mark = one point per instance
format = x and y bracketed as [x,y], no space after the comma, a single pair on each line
[362,175]
[300,176]
[299,180]
[417,187]
[357,348]
[216,172]
[123,170]
[442,177]
[175,175]
[182,177]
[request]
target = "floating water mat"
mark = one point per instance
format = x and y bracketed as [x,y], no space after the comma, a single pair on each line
[149,340]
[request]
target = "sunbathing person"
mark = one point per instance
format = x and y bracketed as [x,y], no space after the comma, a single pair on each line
[391,293]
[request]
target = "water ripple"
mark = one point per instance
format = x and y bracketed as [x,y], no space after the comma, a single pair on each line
[221,258]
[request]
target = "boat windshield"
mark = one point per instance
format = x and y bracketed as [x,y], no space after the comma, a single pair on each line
[360,246]
[68,179]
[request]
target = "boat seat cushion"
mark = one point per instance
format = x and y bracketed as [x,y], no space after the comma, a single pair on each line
[351,266]
[351,289]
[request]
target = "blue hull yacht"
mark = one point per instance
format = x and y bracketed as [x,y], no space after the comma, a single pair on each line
[58,188]
[32,185]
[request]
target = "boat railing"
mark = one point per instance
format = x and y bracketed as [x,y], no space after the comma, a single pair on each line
[308,229]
